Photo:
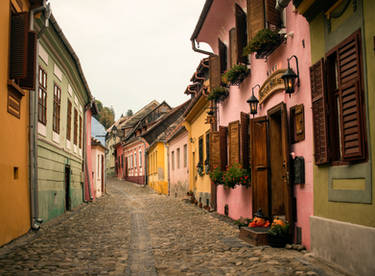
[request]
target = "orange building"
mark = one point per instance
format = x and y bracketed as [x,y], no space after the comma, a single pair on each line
[17,78]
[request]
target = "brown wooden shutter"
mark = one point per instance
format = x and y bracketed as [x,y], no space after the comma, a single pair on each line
[255,15]
[241,30]
[215,160]
[297,123]
[319,109]
[233,46]
[29,81]
[215,76]
[223,56]
[352,116]
[223,132]
[273,19]
[234,142]
[245,140]
[18,45]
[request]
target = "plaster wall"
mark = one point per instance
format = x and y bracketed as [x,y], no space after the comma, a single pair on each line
[15,195]
[179,177]
[229,110]
[136,173]
[158,172]
[120,166]
[96,158]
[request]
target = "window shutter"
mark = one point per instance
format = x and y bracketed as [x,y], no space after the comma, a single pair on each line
[241,30]
[319,108]
[297,123]
[234,142]
[29,81]
[223,56]
[262,14]
[215,76]
[245,140]
[223,131]
[18,45]
[351,104]
[233,46]
[215,160]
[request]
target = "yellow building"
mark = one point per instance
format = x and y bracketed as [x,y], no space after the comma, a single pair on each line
[17,63]
[158,168]
[198,148]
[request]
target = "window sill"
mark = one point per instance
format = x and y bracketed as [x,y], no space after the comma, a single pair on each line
[16,88]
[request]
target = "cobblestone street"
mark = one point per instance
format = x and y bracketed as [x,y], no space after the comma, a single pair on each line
[134,231]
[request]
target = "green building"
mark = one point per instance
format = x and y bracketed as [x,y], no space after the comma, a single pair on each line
[343,86]
[60,102]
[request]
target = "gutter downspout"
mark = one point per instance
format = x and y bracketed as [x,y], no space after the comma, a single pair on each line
[33,127]
[195,49]
[85,152]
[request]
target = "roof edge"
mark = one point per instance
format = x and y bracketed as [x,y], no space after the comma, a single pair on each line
[202,18]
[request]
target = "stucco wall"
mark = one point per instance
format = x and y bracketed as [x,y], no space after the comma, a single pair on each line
[179,177]
[158,173]
[15,195]
[137,172]
[97,152]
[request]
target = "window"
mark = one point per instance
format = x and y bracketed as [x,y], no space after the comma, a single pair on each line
[172,160]
[80,132]
[69,121]
[207,148]
[42,97]
[185,155]
[200,150]
[75,138]
[178,158]
[135,159]
[140,158]
[223,56]
[56,108]
[338,104]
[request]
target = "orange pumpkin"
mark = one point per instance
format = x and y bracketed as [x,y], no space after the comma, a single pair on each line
[259,222]
[278,221]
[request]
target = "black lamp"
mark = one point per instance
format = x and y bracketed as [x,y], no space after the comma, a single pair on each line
[253,102]
[290,77]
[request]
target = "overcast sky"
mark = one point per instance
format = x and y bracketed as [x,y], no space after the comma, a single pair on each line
[131,51]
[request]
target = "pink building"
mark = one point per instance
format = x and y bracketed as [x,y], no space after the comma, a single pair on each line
[280,140]
[178,162]
[134,160]
[89,181]
[119,161]
[98,167]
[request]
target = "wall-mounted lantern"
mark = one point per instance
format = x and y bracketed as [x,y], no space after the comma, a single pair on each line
[253,102]
[290,77]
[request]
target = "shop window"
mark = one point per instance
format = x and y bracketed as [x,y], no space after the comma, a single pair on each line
[338,104]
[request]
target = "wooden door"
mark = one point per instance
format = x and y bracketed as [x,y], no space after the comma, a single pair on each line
[259,165]
[67,188]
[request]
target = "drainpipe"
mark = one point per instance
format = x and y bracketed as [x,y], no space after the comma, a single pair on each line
[33,127]
[195,49]
[87,107]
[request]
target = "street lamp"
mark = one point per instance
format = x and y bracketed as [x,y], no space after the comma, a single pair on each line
[253,102]
[290,77]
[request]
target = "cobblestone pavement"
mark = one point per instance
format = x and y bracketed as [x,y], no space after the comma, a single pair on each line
[134,231]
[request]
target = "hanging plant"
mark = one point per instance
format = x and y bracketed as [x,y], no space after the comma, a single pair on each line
[236,74]
[218,94]
[263,43]
[236,175]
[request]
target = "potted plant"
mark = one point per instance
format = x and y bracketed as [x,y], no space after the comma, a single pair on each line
[216,176]
[264,43]
[234,175]
[218,94]
[242,222]
[278,234]
[236,74]
[200,169]
[207,166]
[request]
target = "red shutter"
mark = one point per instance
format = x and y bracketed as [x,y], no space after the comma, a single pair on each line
[233,47]
[234,142]
[352,117]
[319,109]
[18,45]
[29,81]
[241,30]
[245,140]
[223,131]
[215,75]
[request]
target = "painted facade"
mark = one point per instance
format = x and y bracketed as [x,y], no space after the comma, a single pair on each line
[14,137]
[178,163]
[98,167]
[63,95]
[343,225]
[134,162]
[158,168]
[271,121]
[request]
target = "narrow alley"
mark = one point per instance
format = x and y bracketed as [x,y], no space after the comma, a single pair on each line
[135,231]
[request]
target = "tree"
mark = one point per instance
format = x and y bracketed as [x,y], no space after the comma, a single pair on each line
[106,115]
[129,113]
